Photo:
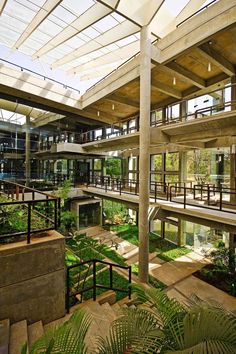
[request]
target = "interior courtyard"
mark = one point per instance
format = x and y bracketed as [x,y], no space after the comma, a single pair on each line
[117,176]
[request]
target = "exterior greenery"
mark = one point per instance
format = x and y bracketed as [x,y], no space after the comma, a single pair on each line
[166,250]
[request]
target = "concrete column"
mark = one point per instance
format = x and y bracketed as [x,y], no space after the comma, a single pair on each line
[183,110]
[27,151]
[233,172]
[182,166]
[181,232]
[233,91]
[144,147]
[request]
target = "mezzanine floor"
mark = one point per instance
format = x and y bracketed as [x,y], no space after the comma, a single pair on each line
[197,211]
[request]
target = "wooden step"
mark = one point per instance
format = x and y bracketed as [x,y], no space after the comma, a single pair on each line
[4,336]
[18,337]
[35,331]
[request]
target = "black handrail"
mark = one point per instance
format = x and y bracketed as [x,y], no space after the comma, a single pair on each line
[14,192]
[95,285]
[214,204]
[168,191]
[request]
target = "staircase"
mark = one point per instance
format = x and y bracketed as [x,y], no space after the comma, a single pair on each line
[13,336]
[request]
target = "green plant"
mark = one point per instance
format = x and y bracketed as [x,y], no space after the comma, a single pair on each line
[68,338]
[162,325]
[224,259]
[68,220]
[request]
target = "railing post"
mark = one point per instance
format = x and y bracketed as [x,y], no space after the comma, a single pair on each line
[111,277]
[155,192]
[208,194]
[170,193]
[184,197]
[120,187]
[29,223]
[59,212]
[55,214]
[94,281]
[194,192]
[220,199]
[130,273]
[67,290]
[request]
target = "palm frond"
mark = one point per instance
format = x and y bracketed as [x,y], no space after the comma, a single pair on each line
[205,330]
[69,338]
[166,309]
[136,331]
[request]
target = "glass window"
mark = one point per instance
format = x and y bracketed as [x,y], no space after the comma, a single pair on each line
[172,161]
[156,162]
[97,164]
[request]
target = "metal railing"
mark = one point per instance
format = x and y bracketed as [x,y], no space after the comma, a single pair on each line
[34,207]
[94,285]
[205,195]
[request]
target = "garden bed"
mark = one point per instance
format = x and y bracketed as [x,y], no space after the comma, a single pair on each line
[166,250]
[218,278]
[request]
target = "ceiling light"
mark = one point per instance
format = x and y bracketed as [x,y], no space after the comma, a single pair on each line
[98,113]
[113,107]
[209,67]
[174,80]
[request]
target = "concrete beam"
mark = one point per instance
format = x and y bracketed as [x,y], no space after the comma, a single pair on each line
[2,5]
[198,29]
[216,58]
[168,90]
[40,16]
[117,79]
[186,74]
[116,97]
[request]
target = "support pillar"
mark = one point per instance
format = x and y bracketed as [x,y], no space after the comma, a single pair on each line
[144,147]
[181,232]
[27,151]
[183,111]
[182,166]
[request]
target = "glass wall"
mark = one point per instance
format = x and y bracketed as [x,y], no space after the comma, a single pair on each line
[165,167]
[89,215]
[200,237]
[209,166]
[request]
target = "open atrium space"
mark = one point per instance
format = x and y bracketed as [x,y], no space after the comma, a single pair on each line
[117,176]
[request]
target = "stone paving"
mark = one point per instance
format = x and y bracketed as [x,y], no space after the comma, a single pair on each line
[176,275]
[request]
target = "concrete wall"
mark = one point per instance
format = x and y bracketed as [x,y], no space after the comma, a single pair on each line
[32,279]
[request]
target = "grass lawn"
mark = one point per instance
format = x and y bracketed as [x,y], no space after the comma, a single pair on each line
[166,250]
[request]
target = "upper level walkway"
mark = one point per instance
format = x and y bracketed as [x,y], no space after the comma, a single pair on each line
[177,205]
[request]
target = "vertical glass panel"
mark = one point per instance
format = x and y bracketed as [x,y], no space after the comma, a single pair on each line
[172,161]
[156,162]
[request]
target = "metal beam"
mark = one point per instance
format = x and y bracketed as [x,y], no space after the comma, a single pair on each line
[116,33]
[168,90]
[88,18]
[40,16]
[216,58]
